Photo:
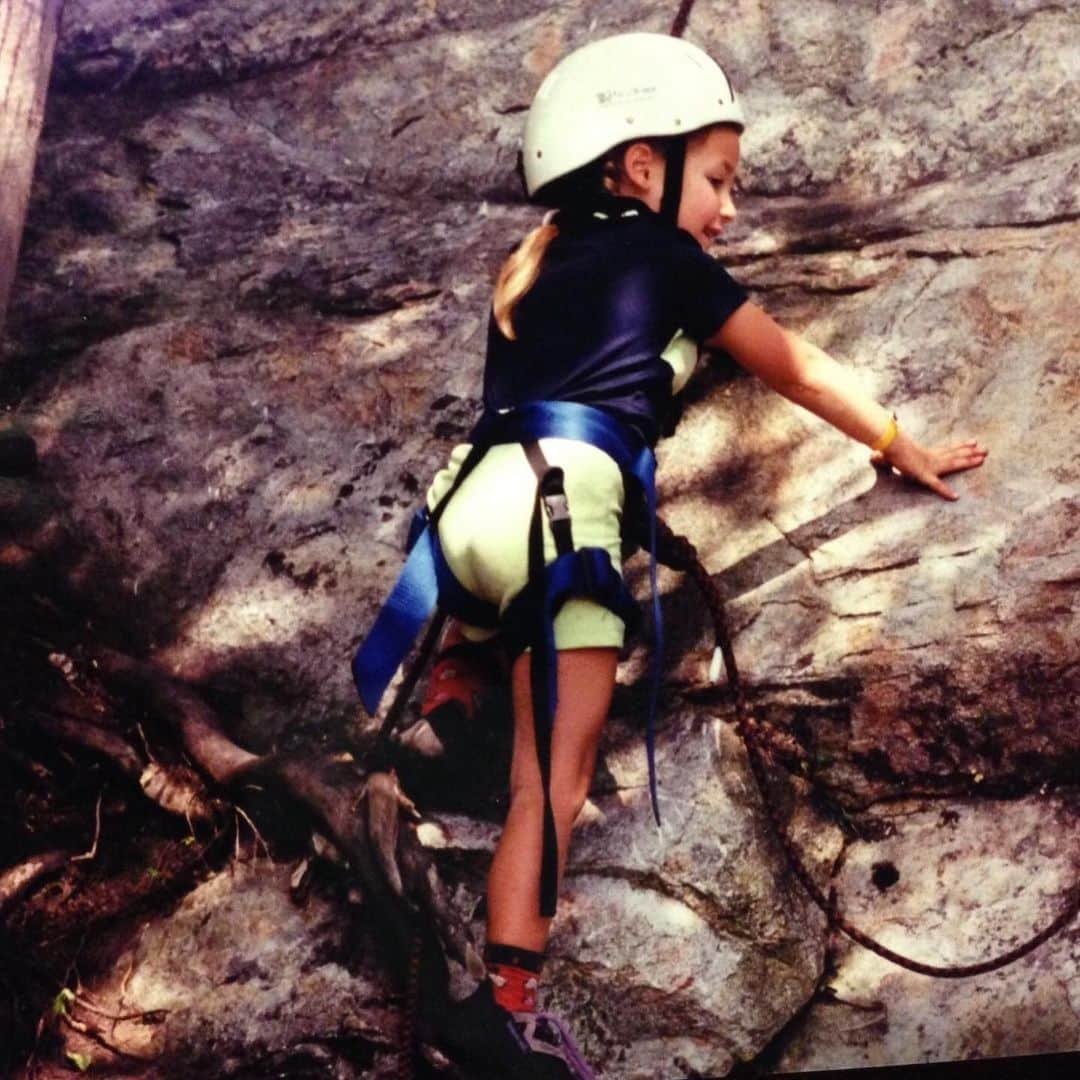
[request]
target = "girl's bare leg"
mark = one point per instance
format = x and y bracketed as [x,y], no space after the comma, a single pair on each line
[586,681]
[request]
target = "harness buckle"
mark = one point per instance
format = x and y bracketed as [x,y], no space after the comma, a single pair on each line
[556,506]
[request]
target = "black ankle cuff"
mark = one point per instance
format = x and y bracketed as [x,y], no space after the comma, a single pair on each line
[514,956]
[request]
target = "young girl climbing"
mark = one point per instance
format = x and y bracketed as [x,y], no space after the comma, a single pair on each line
[596,324]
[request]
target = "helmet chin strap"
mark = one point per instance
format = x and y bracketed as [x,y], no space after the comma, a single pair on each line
[673,179]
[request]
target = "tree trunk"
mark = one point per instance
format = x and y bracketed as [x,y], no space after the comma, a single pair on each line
[27,38]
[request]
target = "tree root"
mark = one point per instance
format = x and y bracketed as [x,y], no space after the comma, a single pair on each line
[106,743]
[175,788]
[96,1035]
[360,814]
[218,756]
[17,881]
[364,816]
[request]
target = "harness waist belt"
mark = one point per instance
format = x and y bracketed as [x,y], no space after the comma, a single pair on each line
[425,581]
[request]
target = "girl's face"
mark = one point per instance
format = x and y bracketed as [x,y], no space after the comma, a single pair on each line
[708,177]
[712,156]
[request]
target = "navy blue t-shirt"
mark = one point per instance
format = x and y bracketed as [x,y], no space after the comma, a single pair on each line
[611,294]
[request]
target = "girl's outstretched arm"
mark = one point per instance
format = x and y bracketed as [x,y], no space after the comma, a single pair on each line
[805,374]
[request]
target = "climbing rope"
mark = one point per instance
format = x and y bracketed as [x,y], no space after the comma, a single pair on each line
[682,17]
[383,754]
[409,1051]
[678,553]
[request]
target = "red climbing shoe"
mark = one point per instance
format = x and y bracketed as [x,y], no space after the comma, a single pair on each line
[460,677]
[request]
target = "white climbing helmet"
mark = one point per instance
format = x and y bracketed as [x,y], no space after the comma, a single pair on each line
[620,88]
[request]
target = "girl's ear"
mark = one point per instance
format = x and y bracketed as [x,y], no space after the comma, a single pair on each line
[641,166]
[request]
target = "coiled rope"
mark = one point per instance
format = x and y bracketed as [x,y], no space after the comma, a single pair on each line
[678,553]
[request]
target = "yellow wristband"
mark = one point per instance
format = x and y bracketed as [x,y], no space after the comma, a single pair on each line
[885,440]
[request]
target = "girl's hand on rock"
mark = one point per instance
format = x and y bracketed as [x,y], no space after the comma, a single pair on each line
[926,464]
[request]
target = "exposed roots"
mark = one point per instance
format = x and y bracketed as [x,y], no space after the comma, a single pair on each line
[18,881]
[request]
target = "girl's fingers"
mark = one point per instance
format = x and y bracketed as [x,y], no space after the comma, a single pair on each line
[958,458]
[939,487]
[969,447]
[928,466]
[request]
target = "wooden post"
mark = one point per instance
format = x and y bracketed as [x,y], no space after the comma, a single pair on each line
[28,31]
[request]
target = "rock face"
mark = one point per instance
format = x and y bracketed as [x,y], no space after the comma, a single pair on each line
[952,883]
[249,323]
[680,951]
[239,979]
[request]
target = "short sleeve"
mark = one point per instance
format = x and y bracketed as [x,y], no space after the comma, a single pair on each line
[706,294]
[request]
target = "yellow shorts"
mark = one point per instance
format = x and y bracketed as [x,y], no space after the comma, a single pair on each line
[484,531]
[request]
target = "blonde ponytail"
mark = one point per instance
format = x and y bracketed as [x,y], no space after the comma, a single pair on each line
[518,274]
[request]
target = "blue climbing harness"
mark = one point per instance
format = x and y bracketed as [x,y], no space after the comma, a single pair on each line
[426,581]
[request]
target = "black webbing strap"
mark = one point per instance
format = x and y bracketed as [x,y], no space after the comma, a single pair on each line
[551,495]
[674,160]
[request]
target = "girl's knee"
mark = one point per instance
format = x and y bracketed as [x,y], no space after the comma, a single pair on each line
[567,797]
